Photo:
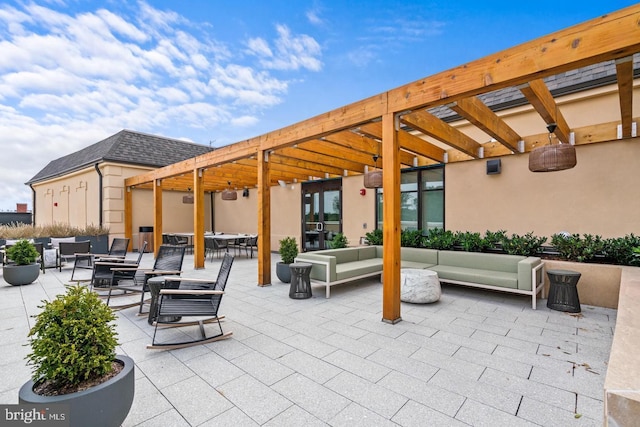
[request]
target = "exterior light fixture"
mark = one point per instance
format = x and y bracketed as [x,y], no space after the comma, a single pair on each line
[373,179]
[228,193]
[552,158]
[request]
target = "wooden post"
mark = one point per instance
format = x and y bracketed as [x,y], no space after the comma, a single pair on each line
[157,215]
[391,220]
[128,216]
[198,218]
[264,220]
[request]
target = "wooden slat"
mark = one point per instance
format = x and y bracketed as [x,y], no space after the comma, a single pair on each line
[477,113]
[264,221]
[408,141]
[612,36]
[624,71]
[391,224]
[430,125]
[128,216]
[157,216]
[542,101]
[198,219]
[344,164]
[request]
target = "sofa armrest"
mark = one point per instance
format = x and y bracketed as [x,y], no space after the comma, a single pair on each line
[525,272]
[323,266]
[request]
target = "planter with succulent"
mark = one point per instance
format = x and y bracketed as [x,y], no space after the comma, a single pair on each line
[288,252]
[21,268]
[74,363]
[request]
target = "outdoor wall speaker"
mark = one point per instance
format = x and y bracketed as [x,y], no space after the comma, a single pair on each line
[494,167]
[245,192]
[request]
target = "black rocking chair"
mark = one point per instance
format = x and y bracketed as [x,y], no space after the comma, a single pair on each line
[182,297]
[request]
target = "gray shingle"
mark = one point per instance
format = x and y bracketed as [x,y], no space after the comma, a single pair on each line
[127,147]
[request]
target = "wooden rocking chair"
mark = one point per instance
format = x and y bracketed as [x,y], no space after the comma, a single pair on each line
[183,297]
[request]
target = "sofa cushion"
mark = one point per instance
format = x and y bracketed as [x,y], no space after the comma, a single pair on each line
[427,256]
[482,261]
[343,255]
[477,275]
[414,264]
[366,252]
[55,241]
[358,268]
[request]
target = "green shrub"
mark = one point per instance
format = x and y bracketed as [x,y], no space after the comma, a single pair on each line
[339,241]
[374,237]
[527,245]
[494,239]
[23,252]
[288,249]
[411,238]
[575,248]
[440,239]
[73,339]
[470,242]
[622,250]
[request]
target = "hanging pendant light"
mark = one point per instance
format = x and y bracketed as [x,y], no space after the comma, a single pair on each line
[373,179]
[228,193]
[552,158]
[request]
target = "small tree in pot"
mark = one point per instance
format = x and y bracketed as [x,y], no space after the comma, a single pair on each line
[73,357]
[24,269]
[288,252]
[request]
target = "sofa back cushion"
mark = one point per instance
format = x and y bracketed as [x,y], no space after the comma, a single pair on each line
[481,261]
[426,256]
[55,241]
[366,252]
[343,254]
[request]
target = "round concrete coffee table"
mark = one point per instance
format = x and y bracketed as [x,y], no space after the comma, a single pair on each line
[419,286]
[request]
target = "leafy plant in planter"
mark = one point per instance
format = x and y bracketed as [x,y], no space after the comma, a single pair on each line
[527,245]
[24,269]
[575,248]
[374,237]
[440,239]
[288,252]
[73,360]
[411,238]
[339,241]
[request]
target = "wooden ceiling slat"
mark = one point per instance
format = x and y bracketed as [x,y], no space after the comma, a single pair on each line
[409,142]
[477,113]
[624,71]
[540,97]
[434,127]
[312,168]
[344,164]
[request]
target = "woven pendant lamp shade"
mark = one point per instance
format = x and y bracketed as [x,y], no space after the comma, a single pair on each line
[373,179]
[229,195]
[551,158]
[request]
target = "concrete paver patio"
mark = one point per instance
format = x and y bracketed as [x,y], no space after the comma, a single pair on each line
[474,358]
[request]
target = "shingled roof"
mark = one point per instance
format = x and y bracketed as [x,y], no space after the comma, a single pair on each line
[128,147]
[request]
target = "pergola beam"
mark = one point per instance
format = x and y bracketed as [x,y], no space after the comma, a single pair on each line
[540,97]
[624,71]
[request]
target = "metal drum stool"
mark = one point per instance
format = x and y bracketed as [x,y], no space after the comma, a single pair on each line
[300,281]
[563,291]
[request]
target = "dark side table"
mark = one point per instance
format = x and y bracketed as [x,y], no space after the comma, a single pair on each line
[157,283]
[300,280]
[563,291]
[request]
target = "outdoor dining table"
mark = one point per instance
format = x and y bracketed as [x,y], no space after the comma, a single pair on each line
[228,238]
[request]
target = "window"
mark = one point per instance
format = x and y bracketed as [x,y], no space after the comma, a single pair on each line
[421,199]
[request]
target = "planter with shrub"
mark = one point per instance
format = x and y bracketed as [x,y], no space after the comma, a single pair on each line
[288,252]
[21,267]
[74,363]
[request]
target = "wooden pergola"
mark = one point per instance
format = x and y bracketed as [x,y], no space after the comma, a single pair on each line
[400,127]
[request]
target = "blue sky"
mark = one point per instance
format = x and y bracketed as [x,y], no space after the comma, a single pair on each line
[216,72]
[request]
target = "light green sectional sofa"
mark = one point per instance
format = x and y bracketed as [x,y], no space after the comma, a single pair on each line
[509,273]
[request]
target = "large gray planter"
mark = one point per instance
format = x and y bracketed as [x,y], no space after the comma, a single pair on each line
[283,272]
[18,275]
[105,405]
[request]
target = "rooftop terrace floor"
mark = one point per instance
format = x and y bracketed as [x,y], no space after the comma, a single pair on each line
[475,357]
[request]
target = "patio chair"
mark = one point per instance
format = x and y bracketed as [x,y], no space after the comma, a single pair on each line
[168,262]
[248,245]
[214,246]
[117,253]
[68,250]
[103,275]
[183,297]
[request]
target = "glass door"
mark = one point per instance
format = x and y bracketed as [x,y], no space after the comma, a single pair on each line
[322,213]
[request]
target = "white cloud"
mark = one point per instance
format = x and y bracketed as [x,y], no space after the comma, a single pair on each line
[292,52]
[70,80]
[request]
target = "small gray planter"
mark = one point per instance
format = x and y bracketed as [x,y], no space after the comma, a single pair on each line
[283,272]
[18,275]
[105,405]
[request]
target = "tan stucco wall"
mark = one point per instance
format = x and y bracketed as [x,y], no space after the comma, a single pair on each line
[601,195]
[237,216]
[357,210]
